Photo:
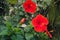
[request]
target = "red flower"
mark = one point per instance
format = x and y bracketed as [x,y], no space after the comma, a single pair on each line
[29,6]
[40,24]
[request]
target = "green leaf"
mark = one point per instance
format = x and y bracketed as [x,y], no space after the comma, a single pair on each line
[52,13]
[8,23]
[4,32]
[28,36]
[17,37]
[47,1]
[57,24]
[12,1]
[57,21]
[28,29]
[44,36]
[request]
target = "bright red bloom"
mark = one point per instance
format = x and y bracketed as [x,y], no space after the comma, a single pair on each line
[29,6]
[40,24]
[40,28]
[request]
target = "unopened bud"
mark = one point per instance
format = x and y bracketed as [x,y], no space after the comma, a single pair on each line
[22,20]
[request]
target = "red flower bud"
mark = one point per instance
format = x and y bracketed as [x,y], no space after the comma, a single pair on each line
[22,20]
[48,33]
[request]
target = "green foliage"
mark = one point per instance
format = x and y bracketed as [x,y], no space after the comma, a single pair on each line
[12,1]
[17,37]
[11,29]
[52,13]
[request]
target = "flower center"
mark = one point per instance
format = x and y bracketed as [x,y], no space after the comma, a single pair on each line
[29,5]
[38,22]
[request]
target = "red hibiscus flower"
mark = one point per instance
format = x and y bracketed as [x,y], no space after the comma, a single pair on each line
[29,6]
[40,24]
